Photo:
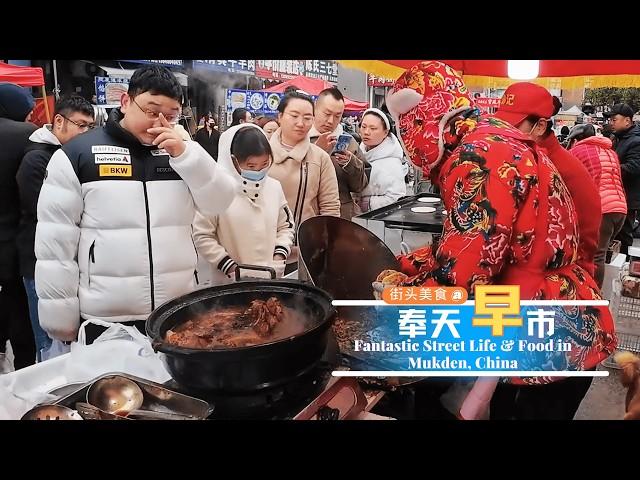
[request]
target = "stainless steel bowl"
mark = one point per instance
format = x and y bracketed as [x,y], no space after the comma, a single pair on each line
[51,412]
[115,394]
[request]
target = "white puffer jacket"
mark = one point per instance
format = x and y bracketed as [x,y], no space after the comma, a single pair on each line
[386,183]
[113,239]
[257,225]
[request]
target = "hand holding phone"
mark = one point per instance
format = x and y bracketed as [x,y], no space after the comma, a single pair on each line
[343,143]
[326,141]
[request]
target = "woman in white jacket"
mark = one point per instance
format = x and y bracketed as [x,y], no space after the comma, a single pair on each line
[384,152]
[258,227]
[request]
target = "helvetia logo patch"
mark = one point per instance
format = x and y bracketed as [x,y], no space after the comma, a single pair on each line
[112,158]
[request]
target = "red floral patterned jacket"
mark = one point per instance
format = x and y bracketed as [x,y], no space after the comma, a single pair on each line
[511,220]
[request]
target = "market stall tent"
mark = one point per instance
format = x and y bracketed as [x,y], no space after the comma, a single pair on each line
[567,74]
[25,77]
[313,86]
[575,110]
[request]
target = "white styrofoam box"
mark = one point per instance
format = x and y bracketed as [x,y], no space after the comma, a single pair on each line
[611,272]
[415,240]
[360,221]
[634,251]
[377,228]
[392,239]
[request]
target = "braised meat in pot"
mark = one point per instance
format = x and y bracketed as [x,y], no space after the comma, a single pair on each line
[262,322]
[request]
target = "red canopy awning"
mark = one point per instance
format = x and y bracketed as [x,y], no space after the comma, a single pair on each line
[313,86]
[23,76]
[553,73]
[548,68]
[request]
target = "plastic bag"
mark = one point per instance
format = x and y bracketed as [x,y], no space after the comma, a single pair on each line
[15,402]
[119,349]
[56,349]
[5,364]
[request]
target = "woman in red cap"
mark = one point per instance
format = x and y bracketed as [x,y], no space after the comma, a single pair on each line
[529,108]
[511,221]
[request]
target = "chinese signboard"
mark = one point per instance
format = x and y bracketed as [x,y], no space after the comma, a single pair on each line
[374,81]
[486,102]
[247,67]
[279,69]
[166,63]
[323,69]
[109,90]
[257,102]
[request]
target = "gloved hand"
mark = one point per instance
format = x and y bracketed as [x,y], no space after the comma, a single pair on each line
[279,266]
[378,287]
[387,278]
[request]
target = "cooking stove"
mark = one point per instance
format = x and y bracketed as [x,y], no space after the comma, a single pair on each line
[397,223]
[314,394]
[274,403]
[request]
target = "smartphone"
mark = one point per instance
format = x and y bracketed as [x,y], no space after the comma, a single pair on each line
[343,143]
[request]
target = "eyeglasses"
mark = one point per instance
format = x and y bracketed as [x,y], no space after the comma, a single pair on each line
[305,118]
[82,126]
[153,115]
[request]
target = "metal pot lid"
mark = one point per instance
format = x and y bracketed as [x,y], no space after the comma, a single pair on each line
[342,257]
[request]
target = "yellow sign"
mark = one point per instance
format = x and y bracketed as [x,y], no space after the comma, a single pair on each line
[115,170]
[438,295]
[497,301]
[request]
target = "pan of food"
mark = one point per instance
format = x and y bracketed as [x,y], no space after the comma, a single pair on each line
[242,337]
[344,259]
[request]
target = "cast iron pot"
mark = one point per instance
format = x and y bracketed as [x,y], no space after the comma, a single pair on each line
[244,369]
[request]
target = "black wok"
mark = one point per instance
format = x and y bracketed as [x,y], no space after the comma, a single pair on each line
[250,368]
[343,259]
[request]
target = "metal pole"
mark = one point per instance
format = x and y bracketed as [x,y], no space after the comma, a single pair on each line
[56,90]
[46,104]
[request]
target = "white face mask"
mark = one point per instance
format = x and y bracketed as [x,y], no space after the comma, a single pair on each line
[254,175]
[254,179]
[251,175]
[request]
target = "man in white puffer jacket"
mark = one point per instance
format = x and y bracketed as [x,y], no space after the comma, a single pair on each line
[113,239]
[384,152]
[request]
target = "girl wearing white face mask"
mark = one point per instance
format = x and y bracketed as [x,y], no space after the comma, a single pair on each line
[258,227]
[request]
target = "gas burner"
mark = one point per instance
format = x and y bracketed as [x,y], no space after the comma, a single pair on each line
[315,395]
[275,403]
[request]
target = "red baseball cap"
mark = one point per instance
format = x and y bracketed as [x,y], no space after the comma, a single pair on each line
[523,99]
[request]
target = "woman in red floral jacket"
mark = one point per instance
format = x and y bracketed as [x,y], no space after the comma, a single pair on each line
[511,221]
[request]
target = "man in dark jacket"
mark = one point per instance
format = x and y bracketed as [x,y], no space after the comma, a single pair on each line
[73,116]
[240,115]
[626,143]
[208,136]
[352,170]
[16,105]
